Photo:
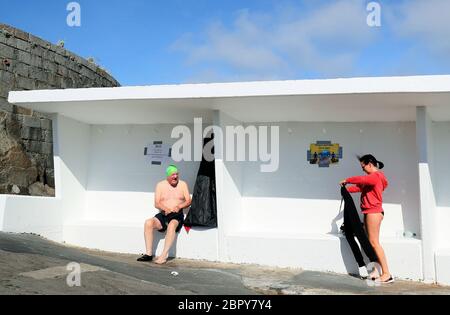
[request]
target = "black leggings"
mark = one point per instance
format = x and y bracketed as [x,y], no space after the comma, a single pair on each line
[353,227]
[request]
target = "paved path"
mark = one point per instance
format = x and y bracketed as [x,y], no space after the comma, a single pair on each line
[32,265]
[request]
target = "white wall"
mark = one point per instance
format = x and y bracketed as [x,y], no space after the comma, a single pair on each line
[228,186]
[39,215]
[303,198]
[441,180]
[121,180]
[71,150]
[2,210]
[46,216]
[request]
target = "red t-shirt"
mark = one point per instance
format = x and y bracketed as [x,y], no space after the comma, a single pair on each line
[371,188]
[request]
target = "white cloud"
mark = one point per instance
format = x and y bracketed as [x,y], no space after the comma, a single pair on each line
[321,40]
[425,22]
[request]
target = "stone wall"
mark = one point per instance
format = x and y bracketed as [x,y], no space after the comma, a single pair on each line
[26,145]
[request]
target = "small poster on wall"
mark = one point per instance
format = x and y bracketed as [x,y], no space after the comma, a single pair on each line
[158,153]
[324,153]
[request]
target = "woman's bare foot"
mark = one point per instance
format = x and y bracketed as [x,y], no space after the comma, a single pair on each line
[161,259]
[386,278]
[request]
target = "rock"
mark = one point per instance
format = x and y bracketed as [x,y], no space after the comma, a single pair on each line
[21,177]
[6,142]
[15,189]
[16,158]
[26,139]
[39,189]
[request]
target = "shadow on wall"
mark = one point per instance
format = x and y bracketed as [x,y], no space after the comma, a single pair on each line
[351,266]
[159,239]
[158,243]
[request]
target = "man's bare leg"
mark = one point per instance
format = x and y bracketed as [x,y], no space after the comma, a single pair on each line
[149,227]
[170,238]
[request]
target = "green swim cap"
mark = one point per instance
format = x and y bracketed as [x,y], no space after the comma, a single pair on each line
[172,169]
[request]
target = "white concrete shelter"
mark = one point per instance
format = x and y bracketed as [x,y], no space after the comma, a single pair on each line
[289,218]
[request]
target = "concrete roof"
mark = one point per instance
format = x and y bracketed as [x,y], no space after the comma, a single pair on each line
[353,99]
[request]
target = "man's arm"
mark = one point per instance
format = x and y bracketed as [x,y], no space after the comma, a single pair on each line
[158,197]
[187,198]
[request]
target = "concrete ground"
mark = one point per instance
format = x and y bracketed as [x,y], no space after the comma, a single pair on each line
[30,264]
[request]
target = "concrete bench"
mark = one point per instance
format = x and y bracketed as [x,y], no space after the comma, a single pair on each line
[128,237]
[442,259]
[320,252]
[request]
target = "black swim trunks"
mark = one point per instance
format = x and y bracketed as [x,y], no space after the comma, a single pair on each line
[165,220]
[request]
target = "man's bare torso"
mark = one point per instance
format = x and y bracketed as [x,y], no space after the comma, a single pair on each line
[171,196]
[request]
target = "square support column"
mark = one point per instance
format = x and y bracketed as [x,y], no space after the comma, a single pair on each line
[426,191]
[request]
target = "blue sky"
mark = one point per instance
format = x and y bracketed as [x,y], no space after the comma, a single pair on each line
[145,42]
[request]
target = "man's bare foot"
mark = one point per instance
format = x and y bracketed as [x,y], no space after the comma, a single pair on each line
[161,259]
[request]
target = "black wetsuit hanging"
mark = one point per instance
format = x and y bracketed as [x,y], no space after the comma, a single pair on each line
[353,227]
[203,210]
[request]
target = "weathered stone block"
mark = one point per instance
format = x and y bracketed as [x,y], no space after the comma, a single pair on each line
[31,122]
[62,70]
[67,83]
[13,127]
[50,177]
[5,106]
[36,61]
[25,83]
[7,77]
[48,55]
[47,136]
[22,35]
[41,85]
[49,65]
[4,89]
[6,52]
[23,111]
[21,69]
[11,41]
[23,45]
[38,74]
[47,148]
[46,124]
[33,146]
[31,133]
[7,28]
[53,79]
[37,51]
[60,59]
[49,161]
[24,57]
[38,41]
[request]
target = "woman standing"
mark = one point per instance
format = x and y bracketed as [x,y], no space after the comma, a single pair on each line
[371,187]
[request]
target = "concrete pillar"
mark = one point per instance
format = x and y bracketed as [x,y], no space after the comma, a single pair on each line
[219,168]
[427,198]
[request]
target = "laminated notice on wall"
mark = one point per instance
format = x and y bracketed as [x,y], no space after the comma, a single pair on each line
[324,153]
[158,153]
